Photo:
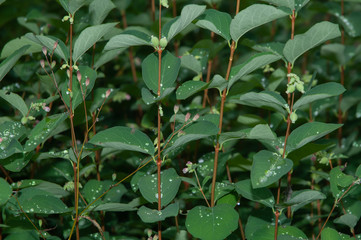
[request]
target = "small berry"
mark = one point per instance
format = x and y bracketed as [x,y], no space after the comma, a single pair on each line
[163,42]
[293,117]
[155,41]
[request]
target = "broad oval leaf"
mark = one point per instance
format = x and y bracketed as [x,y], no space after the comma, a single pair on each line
[152,215]
[45,129]
[217,22]
[10,132]
[188,14]
[17,43]
[268,167]
[5,190]
[303,197]
[256,61]
[198,130]
[319,92]
[190,62]
[261,195]
[99,9]
[71,6]
[170,182]
[264,99]
[339,181]
[252,17]
[128,38]
[317,34]
[124,138]
[10,61]
[330,234]
[189,88]
[309,132]
[214,223]
[169,71]
[94,188]
[347,219]
[45,204]
[16,101]
[61,50]
[88,37]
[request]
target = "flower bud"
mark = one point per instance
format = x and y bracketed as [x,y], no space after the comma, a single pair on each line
[290,88]
[176,109]
[46,109]
[44,50]
[185,170]
[78,75]
[114,176]
[324,160]
[65,18]
[24,120]
[293,117]
[163,42]
[87,81]
[68,73]
[188,115]
[1,139]
[108,93]
[300,87]
[155,41]
[55,45]
[53,63]
[42,63]
[280,151]
[63,66]
[195,118]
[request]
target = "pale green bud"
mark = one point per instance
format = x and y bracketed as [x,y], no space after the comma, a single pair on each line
[155,41]
[300,87]
[24,120]
[290,88]
[293,117]
[324,160]
[163,42]
[280,151]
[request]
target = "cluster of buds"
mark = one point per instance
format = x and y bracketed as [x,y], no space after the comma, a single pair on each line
[37,106]
[68,18]
[24,120]
[190,167]
[268,68]
[159,44]
[164,3]
[294,83]
[188,116]
[150,233]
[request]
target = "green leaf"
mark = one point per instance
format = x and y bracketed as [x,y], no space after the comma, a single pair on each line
[262,131]
[45,129]
[222,189]
[256,61]
[152,215]
[10,61]
[16,101]
[319,92]
[196,131]
[190,62]
[45,204]
[309,132]
[99,94]
[170,182]
[5,190]
[264,99]
[317,34]
[351,23]
[10,132]
[2,1]
[122,4]
[358,171]
[94,188]
[330,234]
[88,37]
[284,233]
[217,22]
[291,4]
[218,82]
[124,138]
[114,207]
[349,220]
[77,99]
[71,6]
[189,88]
[334,52]
[212,223]
[261,195]
[107,56]
[230,199]
[188,14]
[169,71]
[32,26]
[61,50]
[127,39]
[268,167]
[99,9]
[339,181]
[252,17]
[303,197]
[18,43]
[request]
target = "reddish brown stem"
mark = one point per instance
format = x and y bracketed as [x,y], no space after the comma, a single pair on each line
[7,176]
[209,71]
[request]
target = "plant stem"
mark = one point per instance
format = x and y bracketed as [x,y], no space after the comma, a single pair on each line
[342,81]
[159,160]
[224,94]
[290,103]
[200,188]
[333,208]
